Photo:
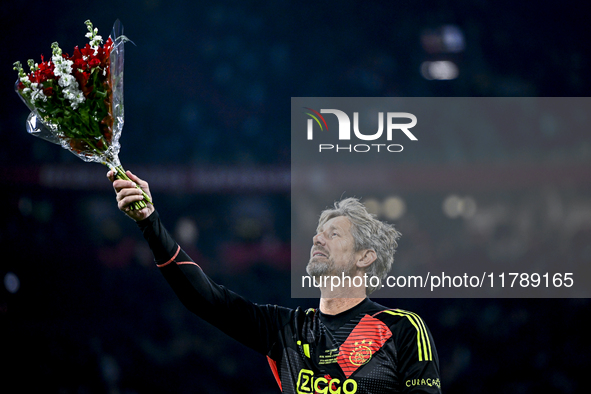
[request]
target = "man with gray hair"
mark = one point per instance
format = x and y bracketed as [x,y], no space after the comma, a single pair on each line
[348,345]
[370,234]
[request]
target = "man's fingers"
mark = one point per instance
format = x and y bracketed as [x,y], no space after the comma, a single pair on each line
[128,196]
[140,182]
[128,192]
[123,203]
[120,184]
[143,184]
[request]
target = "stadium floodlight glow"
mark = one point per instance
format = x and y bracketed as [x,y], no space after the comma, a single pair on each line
[452,206]
[394,208]
[441,70]
[373,206]
[469,207]
[455,206]
[12,282]
[453,38]
[443,39]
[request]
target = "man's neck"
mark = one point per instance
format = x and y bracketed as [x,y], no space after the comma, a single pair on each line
[334,306]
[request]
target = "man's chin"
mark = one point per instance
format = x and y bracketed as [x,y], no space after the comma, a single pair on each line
[317,269]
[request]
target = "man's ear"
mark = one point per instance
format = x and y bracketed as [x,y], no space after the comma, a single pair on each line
[367,257]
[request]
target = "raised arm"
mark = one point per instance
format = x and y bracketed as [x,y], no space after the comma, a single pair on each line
[254,325]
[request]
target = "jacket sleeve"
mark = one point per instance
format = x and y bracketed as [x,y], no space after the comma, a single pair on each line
[417,358]
[256,326]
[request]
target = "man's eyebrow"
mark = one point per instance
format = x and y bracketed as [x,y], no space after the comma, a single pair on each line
[322,229]
[333,227]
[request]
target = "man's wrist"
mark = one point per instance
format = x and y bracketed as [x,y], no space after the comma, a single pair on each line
[142,224]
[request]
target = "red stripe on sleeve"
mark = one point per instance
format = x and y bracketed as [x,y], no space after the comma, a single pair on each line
[188,262]
[171,260]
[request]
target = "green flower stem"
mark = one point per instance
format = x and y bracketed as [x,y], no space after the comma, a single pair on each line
[119,171]
[120,174]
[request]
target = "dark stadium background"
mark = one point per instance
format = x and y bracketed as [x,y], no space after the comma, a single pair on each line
[207,90]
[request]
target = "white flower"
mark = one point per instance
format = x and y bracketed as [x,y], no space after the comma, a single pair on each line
[67,80]
[76,98]
[97,40]
[38,95]
[35,92]
[62,66]
[73,94]
[71,91]
[93,36]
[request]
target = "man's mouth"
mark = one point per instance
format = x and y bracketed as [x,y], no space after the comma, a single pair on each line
[317,253]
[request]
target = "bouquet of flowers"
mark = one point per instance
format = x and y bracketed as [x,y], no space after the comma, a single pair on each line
[77,101]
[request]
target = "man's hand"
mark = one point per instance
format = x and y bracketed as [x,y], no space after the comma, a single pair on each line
[127,193]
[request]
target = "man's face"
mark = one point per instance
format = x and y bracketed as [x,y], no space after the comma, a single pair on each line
[333,248]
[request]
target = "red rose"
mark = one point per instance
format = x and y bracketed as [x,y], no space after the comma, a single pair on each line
[48,91]
[87,51]
[45,72]
[105,52]
[82,78]
[94,62]
[108,45]
[33,78]
[44,67]
[79,64]
[76,55]
[101,54]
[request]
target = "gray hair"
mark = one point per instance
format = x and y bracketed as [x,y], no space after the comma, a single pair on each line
[368,233]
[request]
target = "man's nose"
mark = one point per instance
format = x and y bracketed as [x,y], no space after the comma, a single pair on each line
[318,239]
